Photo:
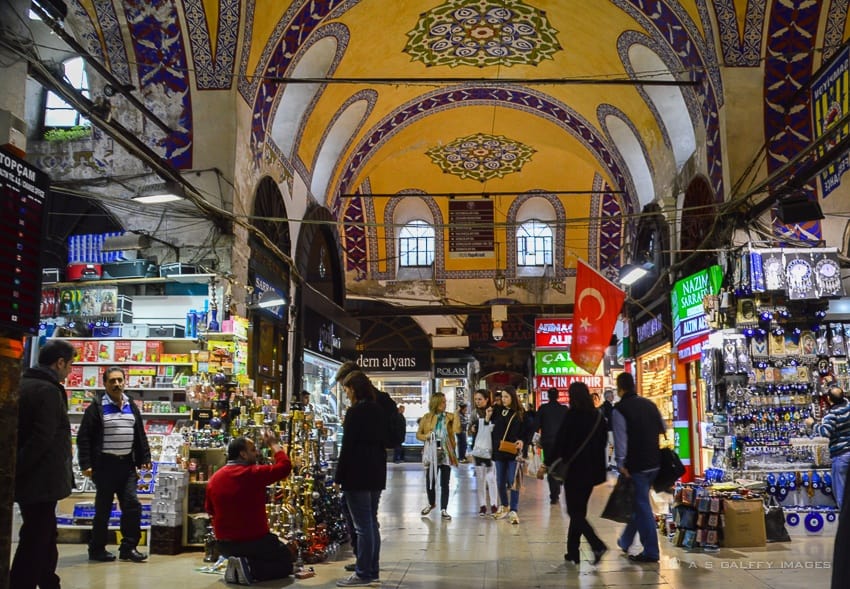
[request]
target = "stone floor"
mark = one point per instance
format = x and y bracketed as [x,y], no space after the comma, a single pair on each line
[472,552]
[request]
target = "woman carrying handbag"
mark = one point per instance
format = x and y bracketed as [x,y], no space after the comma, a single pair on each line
[507,444]
[438,429]
[581,443]
[480,429]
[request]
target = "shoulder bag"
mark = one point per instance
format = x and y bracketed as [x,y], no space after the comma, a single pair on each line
[504,445]
[483,447]
[560,467]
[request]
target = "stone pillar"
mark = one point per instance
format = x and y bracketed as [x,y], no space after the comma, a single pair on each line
[13,15]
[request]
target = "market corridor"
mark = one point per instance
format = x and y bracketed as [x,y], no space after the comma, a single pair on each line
[472,552]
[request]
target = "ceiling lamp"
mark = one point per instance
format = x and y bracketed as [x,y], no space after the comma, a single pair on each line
[160,193]
[631,273]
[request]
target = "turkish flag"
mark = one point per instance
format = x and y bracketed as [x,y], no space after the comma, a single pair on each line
[595,310]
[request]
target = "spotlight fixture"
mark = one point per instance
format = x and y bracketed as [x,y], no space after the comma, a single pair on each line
[631,273]
[798,208]
[160,193]
[269,299]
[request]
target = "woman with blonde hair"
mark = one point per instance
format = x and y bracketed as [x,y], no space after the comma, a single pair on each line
[480,428]
[442,428]
[508,428]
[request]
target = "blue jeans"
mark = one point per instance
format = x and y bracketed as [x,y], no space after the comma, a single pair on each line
[363,506]
[505,473]
[840,464]
[642,521]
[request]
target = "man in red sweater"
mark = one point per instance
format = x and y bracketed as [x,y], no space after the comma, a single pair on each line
[236,501]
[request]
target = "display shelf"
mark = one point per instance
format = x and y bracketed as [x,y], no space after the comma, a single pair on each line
[222,335]
[181,278]
[128,389]
[186,340]
[137,363]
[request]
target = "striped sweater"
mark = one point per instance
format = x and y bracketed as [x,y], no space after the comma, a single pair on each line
[835,425]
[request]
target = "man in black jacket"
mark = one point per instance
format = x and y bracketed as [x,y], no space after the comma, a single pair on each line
[111,445]
[637,425]
[548,420]
[43,473]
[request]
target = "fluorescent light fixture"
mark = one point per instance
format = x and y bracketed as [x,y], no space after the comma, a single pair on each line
[631,273]
[160,193]
[270,299]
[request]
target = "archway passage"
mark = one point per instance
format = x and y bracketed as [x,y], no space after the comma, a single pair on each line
[698,223]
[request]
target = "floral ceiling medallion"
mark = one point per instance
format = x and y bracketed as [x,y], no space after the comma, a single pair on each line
[482,33]
[481,156]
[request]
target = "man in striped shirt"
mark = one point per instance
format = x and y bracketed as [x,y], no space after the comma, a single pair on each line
[111,445]
[835,425]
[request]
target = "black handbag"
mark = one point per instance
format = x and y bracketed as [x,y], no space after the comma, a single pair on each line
[774,522]
[560,468]
[621,501]
[670,470]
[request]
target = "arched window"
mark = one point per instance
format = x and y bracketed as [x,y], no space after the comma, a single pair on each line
[57,112]
[416,245]
[534,243]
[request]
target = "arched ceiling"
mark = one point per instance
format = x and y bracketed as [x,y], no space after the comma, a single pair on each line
[601,104]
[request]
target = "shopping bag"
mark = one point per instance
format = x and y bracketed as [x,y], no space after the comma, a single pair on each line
[621,501]
[671,468]
[774,522]
[429,452]
[483,447]
[532,465]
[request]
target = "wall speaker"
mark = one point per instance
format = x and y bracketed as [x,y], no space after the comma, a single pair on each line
[798,209]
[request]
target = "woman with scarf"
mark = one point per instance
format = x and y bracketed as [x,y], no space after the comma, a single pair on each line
[507,422]
[441,428]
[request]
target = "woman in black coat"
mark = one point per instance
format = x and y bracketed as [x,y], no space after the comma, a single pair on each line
[583,422]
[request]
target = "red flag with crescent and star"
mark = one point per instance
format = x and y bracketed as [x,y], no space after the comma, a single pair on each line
[595,310]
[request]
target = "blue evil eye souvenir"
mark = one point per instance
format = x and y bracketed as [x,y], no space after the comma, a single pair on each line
[792,519]
[771,483]
[831,516]
[813,523]
[815,481]
[792,481]
[827,483]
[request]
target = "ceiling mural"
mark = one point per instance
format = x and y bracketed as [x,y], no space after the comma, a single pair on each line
[481,156]
[214,56]
[482,33]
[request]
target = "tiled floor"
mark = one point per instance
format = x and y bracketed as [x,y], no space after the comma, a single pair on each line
[471,552]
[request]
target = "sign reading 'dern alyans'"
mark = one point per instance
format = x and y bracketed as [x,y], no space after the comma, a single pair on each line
[553,332]
[394,361]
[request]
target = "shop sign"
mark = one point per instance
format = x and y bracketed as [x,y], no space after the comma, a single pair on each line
[691,350]
[562,383]
[391,361]
[321,335]
[556,363]
[689,318]
[829,94]
[649,328]
[261,285]
[450,370]
[553,332]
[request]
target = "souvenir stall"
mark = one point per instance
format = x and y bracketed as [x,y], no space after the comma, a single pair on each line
[766,368]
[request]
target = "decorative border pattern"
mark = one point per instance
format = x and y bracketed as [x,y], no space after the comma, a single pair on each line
[738,51]
[789,66]
[158,42]
[110,28]
[603,111]
[353,239]
[213,73]
[607,234]
[511,97]
[833,35]
[677,29]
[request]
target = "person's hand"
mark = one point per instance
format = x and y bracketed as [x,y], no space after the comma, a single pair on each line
[519,445]
[809,422]
[541,472]
[624,471]
[269,438]
[488,413]
[87,473]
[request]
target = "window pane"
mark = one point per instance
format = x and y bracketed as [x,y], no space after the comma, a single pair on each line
[416,244]
[59,113]
[534,243]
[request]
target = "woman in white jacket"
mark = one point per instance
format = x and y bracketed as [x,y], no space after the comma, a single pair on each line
[485,471]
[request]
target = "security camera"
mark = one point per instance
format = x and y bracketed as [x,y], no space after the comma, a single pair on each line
[497,331]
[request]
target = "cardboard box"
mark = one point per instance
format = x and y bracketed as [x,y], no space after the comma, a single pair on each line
[743,523]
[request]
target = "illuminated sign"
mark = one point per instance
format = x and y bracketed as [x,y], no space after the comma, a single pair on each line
[553,332]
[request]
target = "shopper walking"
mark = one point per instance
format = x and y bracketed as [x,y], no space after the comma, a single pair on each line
[362,475]
[441,428]
[43,472]
[507,427]
[480,428]
[607,408]
[637,425]
[398,452]
[580,441]
[111,445]
[548,422]
[463,418]
[835,425]
[235,498]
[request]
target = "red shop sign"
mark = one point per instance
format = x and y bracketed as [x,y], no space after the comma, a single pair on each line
[553,333]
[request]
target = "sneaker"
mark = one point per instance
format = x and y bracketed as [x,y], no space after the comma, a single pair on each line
[351,567]
[642,558]
[101,555]
[513,517]
[445,515]
[230,571]
[243,571]
[493,510]
[502,513]
[427,510]
[597,554]
[482,511]
[355,581]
